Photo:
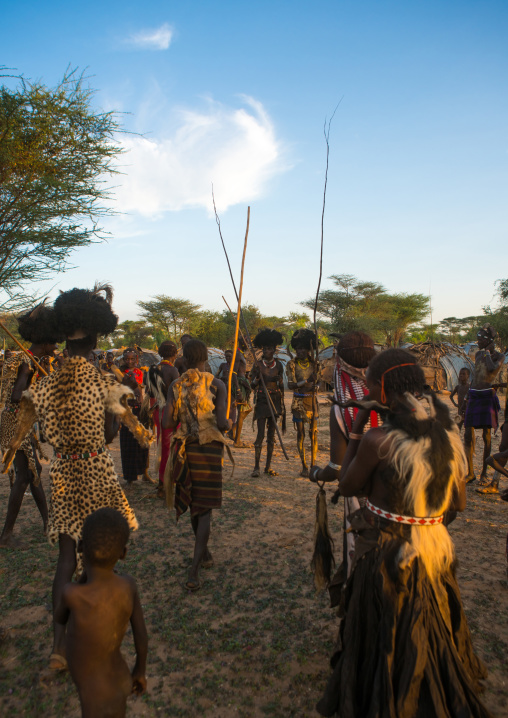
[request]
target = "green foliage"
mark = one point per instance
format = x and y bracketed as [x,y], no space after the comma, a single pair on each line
[55,153]
[368,306]
[166,317]
[130,332]
[171,315]
[422,333]
[8,319]
[498,317]
[216,329]
[460,330]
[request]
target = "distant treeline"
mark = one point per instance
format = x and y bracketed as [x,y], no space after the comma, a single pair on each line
[391,319]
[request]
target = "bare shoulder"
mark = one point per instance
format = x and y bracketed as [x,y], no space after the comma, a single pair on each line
[175,382]
[374,438]
[71,593]
[127,584]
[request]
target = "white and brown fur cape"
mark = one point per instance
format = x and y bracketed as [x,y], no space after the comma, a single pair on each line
[425,449]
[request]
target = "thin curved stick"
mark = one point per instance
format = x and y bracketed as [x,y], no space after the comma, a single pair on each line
[249,340]
[237,325]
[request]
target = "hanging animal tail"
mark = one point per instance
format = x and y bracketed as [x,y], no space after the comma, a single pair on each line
[427,451]
[322,560]
[145,414]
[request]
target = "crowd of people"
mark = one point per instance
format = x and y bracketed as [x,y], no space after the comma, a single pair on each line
[404,649]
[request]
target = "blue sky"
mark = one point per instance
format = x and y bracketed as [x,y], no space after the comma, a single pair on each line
[237,94]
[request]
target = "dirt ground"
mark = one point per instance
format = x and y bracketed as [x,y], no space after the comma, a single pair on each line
[255,640]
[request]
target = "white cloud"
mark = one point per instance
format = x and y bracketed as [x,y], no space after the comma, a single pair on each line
[158,39]
[235,148]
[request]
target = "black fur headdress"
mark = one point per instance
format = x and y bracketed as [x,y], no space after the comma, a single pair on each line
[86,310]
[304,338]
[39,325]
[268,338]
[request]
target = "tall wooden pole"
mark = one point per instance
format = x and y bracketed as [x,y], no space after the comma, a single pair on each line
[247,336]
[20,345]
[241,333]
[238,314]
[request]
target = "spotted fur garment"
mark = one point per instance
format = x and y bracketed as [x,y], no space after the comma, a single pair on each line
[71,405]
[9,417]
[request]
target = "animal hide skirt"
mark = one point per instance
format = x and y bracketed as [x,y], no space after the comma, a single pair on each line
[404,648]
[197,477]
[261,407]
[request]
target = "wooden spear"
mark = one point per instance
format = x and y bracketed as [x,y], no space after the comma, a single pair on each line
[252,350]
[227,305]
[238,311]
[20,345]
[326,131]
[247,335]
[322,559]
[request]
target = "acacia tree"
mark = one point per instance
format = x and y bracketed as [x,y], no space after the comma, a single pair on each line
[356,304]
[498,316]
[402,310]
[172,315]
[129,333]
[56,152]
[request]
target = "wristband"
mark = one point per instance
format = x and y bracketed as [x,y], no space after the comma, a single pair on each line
[356,437]
[335,467]
[313,474]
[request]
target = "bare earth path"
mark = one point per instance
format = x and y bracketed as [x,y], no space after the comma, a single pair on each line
[255,640]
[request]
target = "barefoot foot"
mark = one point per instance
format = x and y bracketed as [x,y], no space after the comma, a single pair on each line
[10,541]
[57,662]
[207,561]
[489,489]
[255,473]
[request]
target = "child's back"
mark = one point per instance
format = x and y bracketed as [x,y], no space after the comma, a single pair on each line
[100,611]
[97,614]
